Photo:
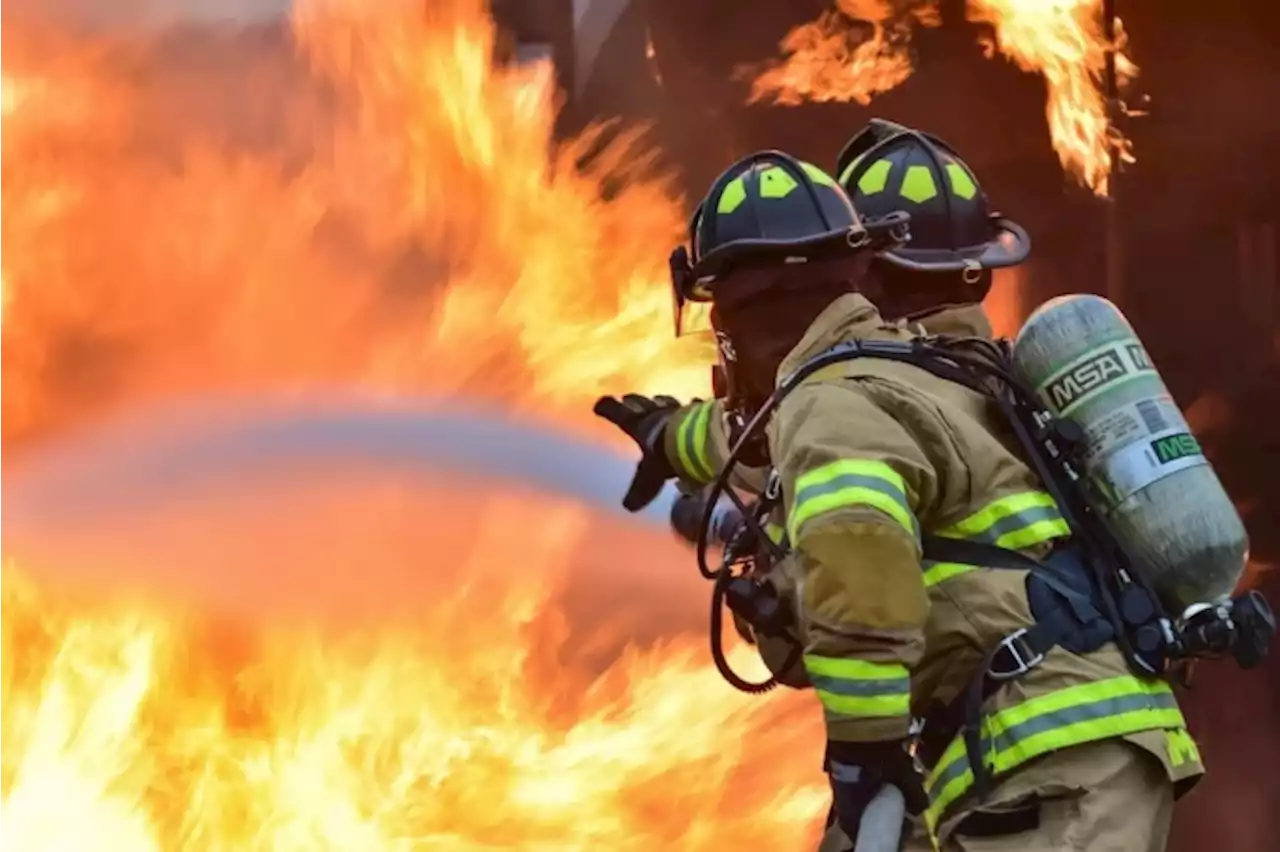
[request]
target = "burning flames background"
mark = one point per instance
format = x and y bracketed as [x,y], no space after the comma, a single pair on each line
[386,209]
[860,49]
[368,199]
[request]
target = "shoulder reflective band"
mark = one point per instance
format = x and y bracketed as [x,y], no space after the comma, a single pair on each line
[857,689]
[938,572]
[851,482]
[1013,522]
[1057,720]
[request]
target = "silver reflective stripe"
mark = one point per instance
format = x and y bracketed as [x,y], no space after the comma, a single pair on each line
[1015,522]
[857,480]
[841,686]
[1010,737]
[1050,720]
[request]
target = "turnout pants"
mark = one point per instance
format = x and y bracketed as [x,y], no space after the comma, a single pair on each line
[1107,796]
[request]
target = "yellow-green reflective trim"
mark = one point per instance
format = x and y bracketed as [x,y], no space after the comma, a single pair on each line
[962,183]
[735,192]
[817,175]
[775,532]
[1014,522]
[1181,747]
[776,182]
[851,482]
[875,178]
[1076,715]
[859,688]
[691,442]
[938,572]
[701,437]
[918,185]
[1036,533]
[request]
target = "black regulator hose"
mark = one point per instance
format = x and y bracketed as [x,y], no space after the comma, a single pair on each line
[726,526]
[718,589]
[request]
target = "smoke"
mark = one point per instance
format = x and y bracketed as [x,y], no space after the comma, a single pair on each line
[347,513]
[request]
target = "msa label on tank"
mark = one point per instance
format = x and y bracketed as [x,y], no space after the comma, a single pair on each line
[1173,447]
[1130,422]
[1133,468]
[1094,372]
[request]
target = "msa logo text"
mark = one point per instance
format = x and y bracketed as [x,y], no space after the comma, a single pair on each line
[1098,370]
[1173,447]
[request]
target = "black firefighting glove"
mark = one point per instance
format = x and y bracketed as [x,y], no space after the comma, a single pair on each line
[857,771]
[645,420]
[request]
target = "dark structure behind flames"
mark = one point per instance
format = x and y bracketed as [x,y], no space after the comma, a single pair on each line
[1199,229]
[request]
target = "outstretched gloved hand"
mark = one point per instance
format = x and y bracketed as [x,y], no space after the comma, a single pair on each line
[645,420]
[857,772]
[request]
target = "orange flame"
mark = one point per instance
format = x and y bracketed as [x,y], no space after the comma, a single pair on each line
[831,59]
[1065,43]
[835,59]
[1004,303]
[410,227]
[416,206]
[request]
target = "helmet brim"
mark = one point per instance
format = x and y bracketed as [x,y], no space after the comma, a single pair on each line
[871,235]
[1009,246]
[718,262]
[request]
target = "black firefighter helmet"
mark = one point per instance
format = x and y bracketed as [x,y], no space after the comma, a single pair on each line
[888,168]
[768,208]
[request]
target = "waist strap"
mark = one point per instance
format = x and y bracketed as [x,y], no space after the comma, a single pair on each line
[1061,597]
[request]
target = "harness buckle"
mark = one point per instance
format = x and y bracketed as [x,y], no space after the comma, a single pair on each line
[1024,658]
[773,486]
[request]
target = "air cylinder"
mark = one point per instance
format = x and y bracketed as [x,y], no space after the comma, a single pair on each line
[1146,471]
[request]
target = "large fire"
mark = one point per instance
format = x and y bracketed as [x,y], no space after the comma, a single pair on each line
[371,201]
[860,49]
[408,226]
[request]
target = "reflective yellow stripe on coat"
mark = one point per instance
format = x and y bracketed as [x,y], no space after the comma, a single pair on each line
[851,482]
[692,436]
[1013,522]
[1067,717]
[858,689]
[776,533]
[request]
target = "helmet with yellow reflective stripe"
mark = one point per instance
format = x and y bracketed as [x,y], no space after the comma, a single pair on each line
[889,168]
[768,209]
[767,206]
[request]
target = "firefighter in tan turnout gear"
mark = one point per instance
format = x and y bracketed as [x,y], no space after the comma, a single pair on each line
[900,492]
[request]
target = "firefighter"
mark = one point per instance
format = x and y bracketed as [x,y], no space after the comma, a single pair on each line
[1072,750]
[934,303]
